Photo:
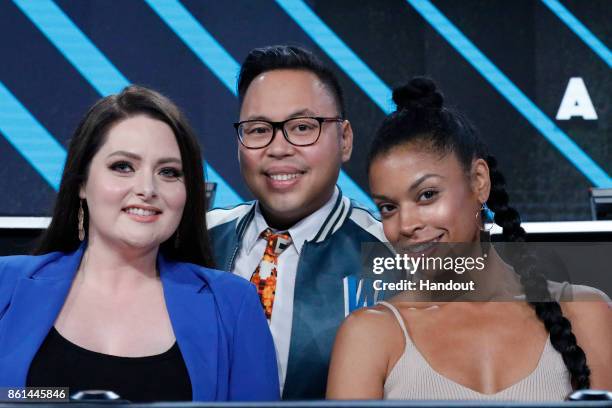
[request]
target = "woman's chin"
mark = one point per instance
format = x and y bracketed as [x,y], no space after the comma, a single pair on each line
[140,243]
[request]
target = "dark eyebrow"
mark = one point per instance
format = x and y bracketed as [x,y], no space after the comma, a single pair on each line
[134,156]
[165,160]
[379,197]
[124,153]
[414,185]
[296,114]
[302,112]
[422,179]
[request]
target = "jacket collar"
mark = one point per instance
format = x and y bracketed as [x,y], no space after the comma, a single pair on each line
[58,266]
[195,322]
[40,294]
[36,301]
[340,211]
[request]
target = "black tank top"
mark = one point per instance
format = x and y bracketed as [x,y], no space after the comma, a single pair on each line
[60,363]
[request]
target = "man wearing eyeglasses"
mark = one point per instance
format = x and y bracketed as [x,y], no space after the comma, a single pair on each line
[300,241]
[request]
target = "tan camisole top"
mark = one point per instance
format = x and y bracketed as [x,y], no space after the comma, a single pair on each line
[412,378]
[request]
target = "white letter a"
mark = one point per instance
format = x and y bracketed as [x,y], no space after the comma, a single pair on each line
[576,102]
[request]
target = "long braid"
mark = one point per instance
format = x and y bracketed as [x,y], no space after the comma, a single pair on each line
[536,289]
[421,117]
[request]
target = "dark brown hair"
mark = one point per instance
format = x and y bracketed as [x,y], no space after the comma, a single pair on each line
[422,118]
[62,235]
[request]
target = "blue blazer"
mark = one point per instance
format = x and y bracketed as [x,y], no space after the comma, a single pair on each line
[217,319]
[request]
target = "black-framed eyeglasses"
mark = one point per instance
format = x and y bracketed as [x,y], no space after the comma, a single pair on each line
[300,131]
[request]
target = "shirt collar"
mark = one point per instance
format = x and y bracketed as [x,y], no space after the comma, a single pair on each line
[304,230]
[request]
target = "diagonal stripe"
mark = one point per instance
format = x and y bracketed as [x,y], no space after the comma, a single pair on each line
[512,93]
[200,41]
[73,45]
[30,138]
[225,196]
[339,52]
[327,40]
[223,66]
[100,72]
[354,191]
[580,30]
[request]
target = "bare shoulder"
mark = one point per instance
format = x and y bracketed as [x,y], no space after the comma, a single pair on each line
[592,312]
[374,331]
[361,354]
[586,307]
[567,292]
[369,324]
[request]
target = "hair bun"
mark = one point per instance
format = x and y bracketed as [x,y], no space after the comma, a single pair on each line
[420,92]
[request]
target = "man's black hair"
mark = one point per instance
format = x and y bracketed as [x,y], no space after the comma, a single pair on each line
[260,60]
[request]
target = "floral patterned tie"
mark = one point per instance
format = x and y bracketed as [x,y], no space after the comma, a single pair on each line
[264,276]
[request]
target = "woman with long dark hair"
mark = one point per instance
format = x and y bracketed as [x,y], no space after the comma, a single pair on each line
[434,183]
[120,295]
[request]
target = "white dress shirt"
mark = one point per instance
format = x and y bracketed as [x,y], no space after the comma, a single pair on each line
[251,253]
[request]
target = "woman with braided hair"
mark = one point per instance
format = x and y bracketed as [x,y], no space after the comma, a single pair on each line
[434,182]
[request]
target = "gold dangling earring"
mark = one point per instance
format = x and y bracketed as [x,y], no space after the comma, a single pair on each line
[81,216]
[477,216]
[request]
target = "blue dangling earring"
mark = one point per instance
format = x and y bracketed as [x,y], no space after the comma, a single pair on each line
[489,215]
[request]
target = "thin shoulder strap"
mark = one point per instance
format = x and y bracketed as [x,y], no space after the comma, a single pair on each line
[399,318]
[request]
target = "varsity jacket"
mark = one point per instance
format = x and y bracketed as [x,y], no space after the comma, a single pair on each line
[328,284]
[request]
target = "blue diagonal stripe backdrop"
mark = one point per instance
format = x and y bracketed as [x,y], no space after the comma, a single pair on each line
[60,55]
[572,152]
[580,30]
[213,55]
[96,68]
